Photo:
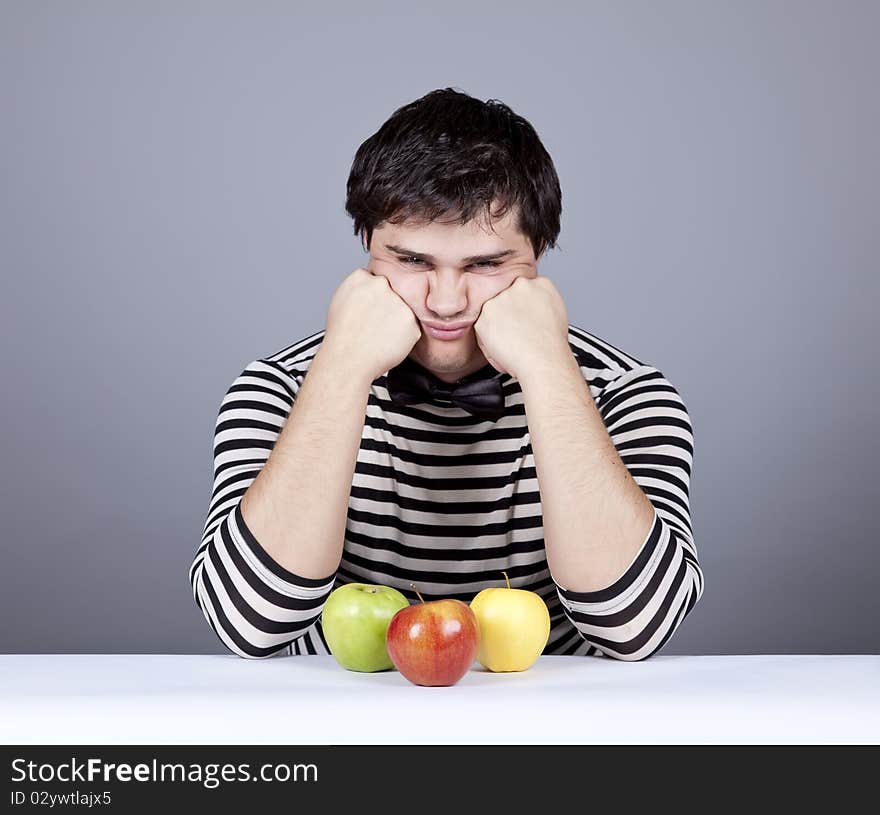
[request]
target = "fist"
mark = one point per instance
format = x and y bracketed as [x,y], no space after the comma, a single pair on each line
[369,324]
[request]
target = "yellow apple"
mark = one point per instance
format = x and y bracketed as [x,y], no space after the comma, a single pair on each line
[514,627]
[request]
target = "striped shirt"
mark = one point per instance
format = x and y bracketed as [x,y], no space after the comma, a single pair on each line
[447,501]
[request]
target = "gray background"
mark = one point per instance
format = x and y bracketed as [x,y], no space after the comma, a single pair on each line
[173,180]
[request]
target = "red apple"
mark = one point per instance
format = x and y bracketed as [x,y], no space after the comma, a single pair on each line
[433,643]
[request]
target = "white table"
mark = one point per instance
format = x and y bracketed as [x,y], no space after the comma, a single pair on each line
[170,699]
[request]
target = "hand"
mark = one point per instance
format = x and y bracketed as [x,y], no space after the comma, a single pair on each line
[522,325]
[369,324]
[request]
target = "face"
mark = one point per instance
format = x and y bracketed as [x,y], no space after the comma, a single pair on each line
[441,272]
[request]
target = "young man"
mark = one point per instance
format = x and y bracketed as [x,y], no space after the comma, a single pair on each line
[449,423]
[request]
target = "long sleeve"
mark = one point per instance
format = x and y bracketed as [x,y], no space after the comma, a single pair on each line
[634,617]
[255,606]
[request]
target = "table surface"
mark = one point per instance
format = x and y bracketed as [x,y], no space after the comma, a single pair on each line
[224,699]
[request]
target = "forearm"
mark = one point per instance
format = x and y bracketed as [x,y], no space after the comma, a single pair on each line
[297,505]
[595,516]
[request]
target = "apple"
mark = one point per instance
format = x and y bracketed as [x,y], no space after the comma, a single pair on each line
[433,643]
[355,618]
[514,627]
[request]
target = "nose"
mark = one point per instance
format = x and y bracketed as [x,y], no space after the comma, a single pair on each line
[447,293]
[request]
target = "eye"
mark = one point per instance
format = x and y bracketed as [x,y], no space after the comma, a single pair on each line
[410,261]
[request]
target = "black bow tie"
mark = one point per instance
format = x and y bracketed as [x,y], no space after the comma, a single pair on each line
[479,393]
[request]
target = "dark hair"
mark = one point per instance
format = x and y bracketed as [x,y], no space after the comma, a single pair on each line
[451,153]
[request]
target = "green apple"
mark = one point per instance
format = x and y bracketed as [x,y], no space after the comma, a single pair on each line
[355,620]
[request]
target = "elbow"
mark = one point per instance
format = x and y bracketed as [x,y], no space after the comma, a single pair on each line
[248,637]
[649,641]
[637,656]
[631,651]
[628,652]
[266,653]
[251,644]
[254,611]
[658,603]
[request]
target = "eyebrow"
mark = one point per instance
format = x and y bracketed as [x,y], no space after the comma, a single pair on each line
[472,259]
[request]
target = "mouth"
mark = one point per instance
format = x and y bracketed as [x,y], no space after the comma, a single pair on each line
[446,334]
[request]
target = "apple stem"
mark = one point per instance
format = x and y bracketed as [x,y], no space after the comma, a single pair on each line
[413,587]
[506,578]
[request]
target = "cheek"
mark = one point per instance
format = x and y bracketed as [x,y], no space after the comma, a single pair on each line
[485,289]
[408,287]
[413,288]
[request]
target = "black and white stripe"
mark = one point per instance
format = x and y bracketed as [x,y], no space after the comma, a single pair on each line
[448,501]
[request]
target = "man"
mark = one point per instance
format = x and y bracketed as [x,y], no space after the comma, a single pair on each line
[449,423]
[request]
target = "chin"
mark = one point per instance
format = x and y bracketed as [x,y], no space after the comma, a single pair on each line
[448,360]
